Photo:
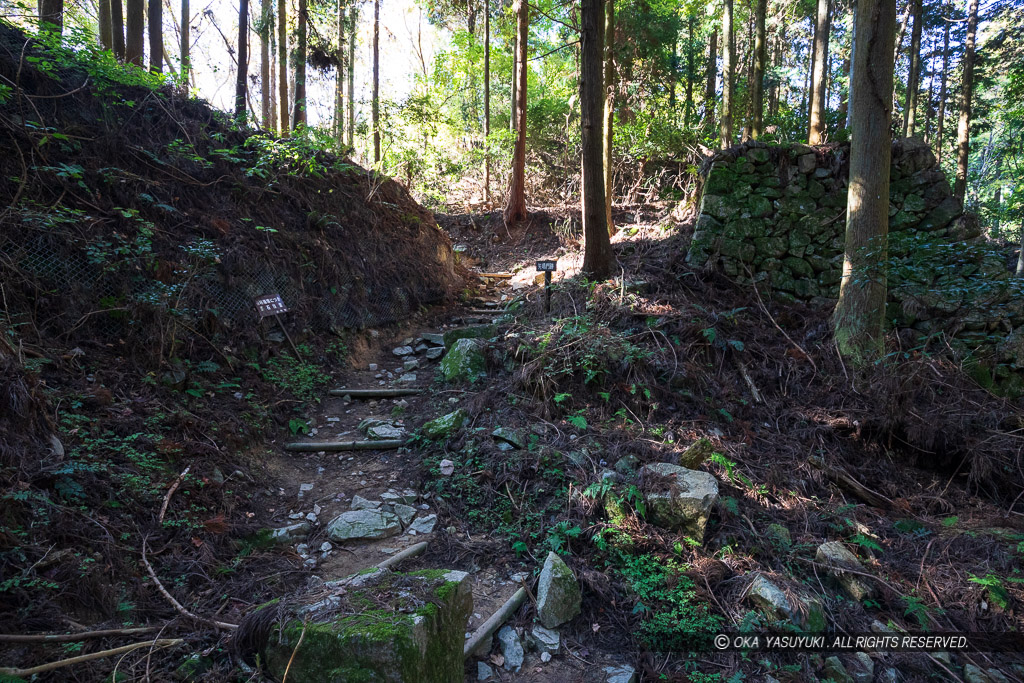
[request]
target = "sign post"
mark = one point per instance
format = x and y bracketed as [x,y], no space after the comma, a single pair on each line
[547,267]
[273,305]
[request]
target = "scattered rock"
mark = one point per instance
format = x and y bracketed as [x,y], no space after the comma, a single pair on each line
[405,513]
[679,498]
[627,465]
[699,451]
[447,467]
[805,611]
[510,436]
[511,648]
[411,364]
[446,425]
[292,532]
[862,668]
[545,657]
[434,353]
[623,673]
[835,671]
[360,524]
[304,489]
[434,339]
[780,534]
[544,639]
[423,525]
[326,547]
[483,671]
[835,555]
[360,503]
[407,378]
[402,351]
[381,430]
[464,361]
[558,593]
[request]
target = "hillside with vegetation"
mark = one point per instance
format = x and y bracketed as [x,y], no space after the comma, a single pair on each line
[602,332]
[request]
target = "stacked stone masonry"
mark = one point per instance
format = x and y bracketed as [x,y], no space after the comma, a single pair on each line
[776,216]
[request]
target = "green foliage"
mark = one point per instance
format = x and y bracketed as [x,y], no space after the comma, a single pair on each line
[303,378]
[671,618]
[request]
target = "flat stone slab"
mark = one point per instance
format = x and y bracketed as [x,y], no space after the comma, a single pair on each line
[678,498]
[363,524]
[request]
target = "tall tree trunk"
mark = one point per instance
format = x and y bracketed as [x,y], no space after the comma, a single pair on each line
[860,312]
[282,65]
[156,36]
[760,60]
[914,77]
[135,31]
[963,129]
[299,115]
[339,79]
[777,60]
[487,103]
[853,60]
[515,205]
[117,28]
[1020,254]
[186,44]
[608,136]
[941,114]
[51,15]
[816,134]
[728,66]
[242,73]
[929,105]
[352,34]
[266,21]
[844,97]
[514,92]
[597,254]
[376,82]
[103,19]
[712,80]
[688,109]
[272,87]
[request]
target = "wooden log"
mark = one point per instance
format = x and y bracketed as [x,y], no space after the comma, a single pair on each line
[488,628]
[375,393]
[851,485]
[332,446]
[497,276]
[411,551]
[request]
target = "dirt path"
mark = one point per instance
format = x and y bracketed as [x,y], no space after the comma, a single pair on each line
[317,486]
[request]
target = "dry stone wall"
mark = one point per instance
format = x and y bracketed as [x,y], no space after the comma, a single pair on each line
[775,216]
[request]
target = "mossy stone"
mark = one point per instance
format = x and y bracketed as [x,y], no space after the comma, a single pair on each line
[446,425]
[464,361]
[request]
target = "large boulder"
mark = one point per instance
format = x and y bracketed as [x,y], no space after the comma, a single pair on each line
[472,332]
[558,593]
[378,626]
[679,498]
[464,361]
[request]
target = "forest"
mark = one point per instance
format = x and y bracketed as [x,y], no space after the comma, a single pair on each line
[424,341]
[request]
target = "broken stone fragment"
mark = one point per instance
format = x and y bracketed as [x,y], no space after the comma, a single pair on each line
[472,332]
[360,503]
[510,436]
[417,638]
[444,426]
[558,593]
[835,671]
[434,339]
[434,353]
[544,639]
[804,611]
[678,498]
[838,559]
[511,648]
[405,513]
[483,671]
[292,532]
[620,674]
[423,525]
[363,524]
[699,451]
[402,351]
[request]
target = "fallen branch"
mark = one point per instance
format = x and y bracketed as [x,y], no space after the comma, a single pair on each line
[170,492]
[750,382]
[74,637]
[178,607]
[411,551]
[845,481]
[497,619]
[312,446]
[124,649]
[375,393]
[497,276]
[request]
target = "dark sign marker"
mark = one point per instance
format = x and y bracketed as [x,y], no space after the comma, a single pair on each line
[273,305]
[547,267]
